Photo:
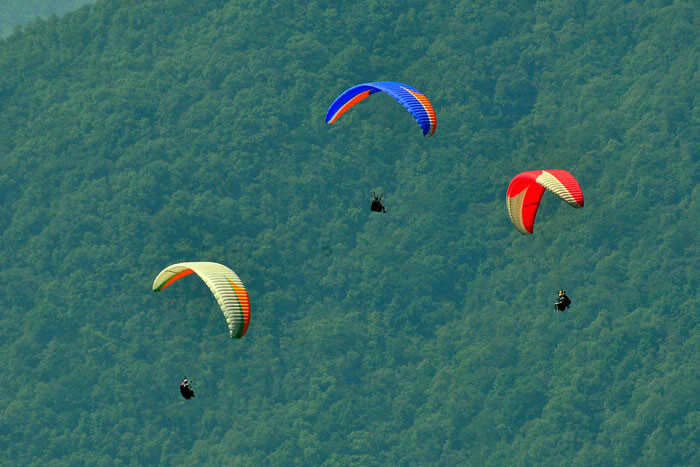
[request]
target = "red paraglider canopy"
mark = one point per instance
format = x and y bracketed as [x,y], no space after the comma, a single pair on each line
[526,189]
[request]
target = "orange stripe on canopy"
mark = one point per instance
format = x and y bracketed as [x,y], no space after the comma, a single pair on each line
[242,295]
[176,277]
[428,108]
[348,104]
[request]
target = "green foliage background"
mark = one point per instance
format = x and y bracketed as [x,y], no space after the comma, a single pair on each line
[15,13]
[139,133]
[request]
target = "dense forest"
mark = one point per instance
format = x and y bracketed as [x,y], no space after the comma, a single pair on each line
[15,13]
[140,133]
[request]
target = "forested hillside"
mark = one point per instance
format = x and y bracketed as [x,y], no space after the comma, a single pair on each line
[140,133]
[15,13]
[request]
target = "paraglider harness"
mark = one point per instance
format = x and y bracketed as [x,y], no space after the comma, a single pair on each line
[563,302]
[377,205]
[186,389]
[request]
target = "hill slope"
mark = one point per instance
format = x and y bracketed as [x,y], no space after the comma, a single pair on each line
[15,13]
[136,134]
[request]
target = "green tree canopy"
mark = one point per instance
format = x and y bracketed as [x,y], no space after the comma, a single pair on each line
[140,133]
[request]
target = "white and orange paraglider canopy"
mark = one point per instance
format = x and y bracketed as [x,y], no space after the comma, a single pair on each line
[223,283]
[526,189]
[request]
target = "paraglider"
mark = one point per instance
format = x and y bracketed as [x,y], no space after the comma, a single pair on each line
[377,205]
[185,389]
[526,189]
[414,101]
[563,302]
[226,286]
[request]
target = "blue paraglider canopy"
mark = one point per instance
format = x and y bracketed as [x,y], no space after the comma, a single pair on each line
[414,101]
